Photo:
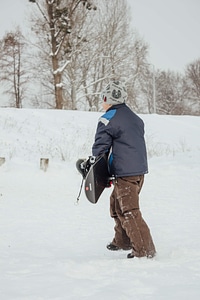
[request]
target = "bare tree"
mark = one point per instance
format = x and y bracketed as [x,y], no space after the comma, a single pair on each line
[12,73]
[169,93]
[192,86]
[89,50]
[81,52]
[55,28]
[147,91]
[112,51]
[136,72]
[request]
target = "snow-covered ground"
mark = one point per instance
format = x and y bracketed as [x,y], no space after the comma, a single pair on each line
[53,249]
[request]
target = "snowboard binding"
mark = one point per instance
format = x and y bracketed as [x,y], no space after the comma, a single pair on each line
[83,165]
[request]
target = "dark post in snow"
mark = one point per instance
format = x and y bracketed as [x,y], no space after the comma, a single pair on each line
[44,163]
[2,160]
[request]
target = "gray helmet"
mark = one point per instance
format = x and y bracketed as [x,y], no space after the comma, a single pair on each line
[114,93]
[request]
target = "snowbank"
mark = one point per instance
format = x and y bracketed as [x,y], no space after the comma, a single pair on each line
[51,248]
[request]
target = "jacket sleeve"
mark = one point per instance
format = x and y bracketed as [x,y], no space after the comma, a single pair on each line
[103,140]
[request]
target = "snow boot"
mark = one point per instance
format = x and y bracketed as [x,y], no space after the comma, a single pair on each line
[130,255]
[113,247]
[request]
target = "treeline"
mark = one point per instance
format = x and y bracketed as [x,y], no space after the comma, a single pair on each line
[75,48]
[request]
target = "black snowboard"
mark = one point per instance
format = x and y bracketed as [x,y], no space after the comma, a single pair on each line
[97,179]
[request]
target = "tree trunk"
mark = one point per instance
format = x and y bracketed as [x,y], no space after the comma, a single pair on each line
[58,90]
[57,75]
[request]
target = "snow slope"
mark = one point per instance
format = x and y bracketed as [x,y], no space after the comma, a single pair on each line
[53,249]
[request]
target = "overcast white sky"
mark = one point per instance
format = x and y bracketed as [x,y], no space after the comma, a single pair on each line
[170,27]
[172,30]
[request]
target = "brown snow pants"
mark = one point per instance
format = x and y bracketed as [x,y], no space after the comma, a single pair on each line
[130,228]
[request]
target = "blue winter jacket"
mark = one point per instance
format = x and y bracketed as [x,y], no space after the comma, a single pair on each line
[120,132]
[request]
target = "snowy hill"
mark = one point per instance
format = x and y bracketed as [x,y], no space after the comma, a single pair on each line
[51,248]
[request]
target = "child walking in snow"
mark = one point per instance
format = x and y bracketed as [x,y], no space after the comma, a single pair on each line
[120,133]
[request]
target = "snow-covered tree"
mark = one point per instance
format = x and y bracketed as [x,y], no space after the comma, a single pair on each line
[81,51]
[53,29]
